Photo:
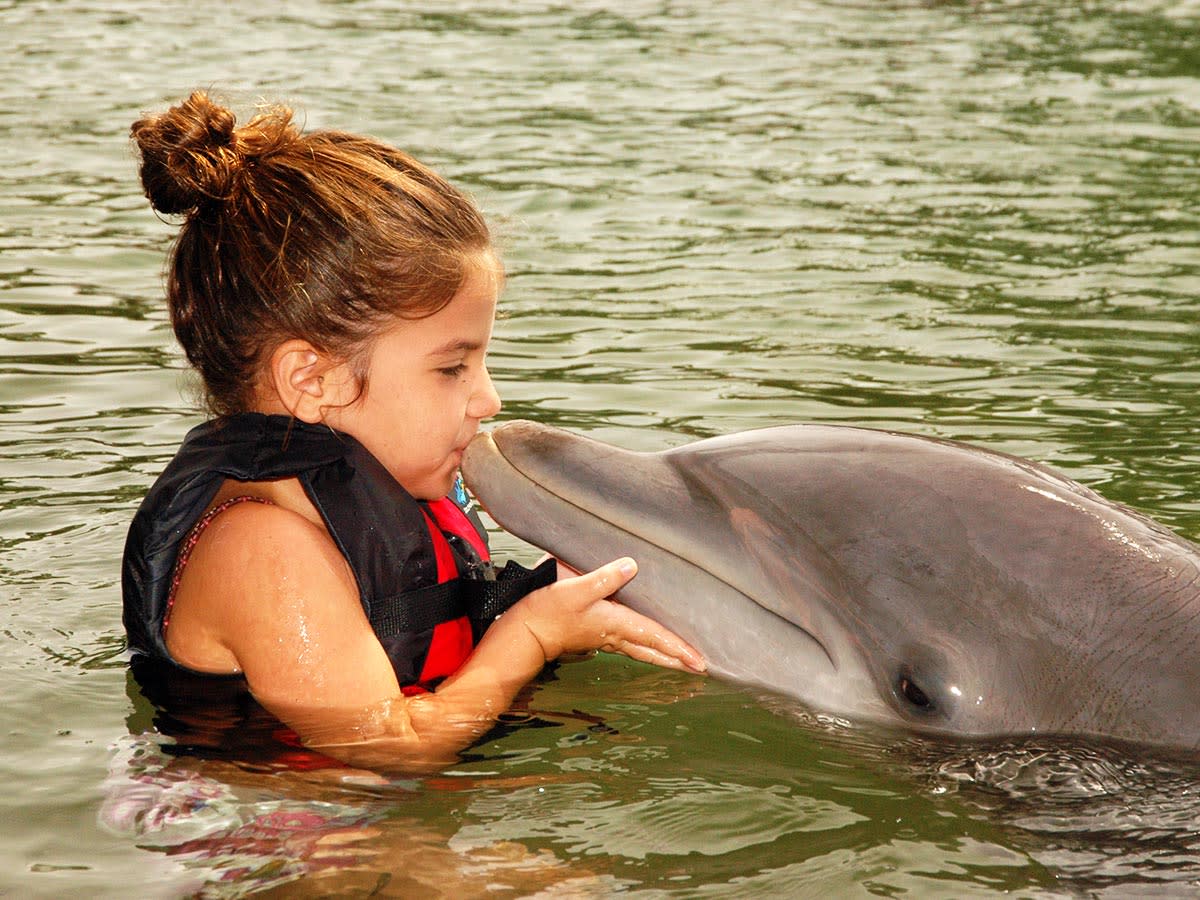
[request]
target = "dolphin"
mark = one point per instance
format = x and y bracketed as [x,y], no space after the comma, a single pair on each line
[878,576]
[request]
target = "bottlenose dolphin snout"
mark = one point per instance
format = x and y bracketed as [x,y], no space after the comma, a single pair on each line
[879,576]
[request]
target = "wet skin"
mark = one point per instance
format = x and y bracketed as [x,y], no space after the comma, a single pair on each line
[879,576]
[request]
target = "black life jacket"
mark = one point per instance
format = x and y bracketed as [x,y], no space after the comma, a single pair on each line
[424,576]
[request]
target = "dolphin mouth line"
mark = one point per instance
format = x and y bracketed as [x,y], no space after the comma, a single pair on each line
[520,473]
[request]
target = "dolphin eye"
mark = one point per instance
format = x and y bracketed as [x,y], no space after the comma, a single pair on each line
[909,690]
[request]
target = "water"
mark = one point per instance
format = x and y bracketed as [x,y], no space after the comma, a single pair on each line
[970,220]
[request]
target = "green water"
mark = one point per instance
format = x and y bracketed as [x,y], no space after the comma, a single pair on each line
[970,220]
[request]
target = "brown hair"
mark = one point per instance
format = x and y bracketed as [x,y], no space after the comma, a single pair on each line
[324,236]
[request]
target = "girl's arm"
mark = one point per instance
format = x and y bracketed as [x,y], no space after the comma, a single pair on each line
[266,592]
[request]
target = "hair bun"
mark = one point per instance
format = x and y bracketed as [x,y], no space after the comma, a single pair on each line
[192,155]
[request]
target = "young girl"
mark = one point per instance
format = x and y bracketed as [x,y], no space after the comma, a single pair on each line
[337,299]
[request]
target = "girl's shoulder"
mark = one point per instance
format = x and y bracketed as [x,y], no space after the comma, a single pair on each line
[253,564]
[263,541]
[272,598]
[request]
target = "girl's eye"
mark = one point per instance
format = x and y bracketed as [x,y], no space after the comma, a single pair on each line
[454,371]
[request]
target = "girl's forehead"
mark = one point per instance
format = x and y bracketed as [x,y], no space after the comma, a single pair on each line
[464,322]
[480,289]
[489,265]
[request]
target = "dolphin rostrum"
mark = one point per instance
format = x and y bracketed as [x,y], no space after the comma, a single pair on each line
[879,576]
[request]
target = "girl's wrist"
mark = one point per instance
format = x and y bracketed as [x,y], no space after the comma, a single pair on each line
[509,655]
[537,626]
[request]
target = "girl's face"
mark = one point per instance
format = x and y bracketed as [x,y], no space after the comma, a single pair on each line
[428,388]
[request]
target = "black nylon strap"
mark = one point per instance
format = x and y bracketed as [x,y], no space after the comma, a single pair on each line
[480,600]
[416,611]
[489,599]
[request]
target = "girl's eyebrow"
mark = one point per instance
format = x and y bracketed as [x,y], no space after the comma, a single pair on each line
[458,345]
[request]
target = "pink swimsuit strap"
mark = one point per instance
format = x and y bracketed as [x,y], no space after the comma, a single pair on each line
[189,544]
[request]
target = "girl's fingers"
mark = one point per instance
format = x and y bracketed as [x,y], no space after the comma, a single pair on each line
[580,617]
[610,578]
[693,663]
[597,584]
[643,639]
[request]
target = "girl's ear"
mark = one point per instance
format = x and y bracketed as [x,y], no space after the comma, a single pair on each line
[307,381]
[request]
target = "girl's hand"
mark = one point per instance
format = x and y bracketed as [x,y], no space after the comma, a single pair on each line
[575,615]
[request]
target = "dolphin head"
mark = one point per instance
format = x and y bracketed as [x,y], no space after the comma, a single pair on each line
[872,575]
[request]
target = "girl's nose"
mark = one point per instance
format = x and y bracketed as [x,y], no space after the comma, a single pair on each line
[485,402]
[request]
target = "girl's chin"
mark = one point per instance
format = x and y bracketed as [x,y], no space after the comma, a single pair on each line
[435,487]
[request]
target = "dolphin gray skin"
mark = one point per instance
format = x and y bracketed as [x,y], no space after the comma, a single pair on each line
[879,576]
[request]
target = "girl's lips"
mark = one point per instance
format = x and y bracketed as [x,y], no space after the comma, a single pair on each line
[460,449]
[456,454]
